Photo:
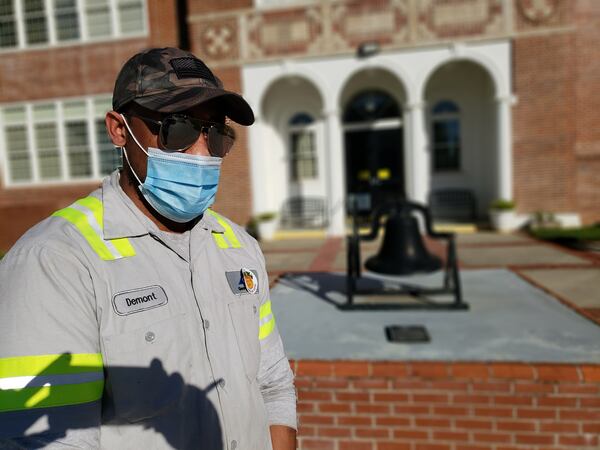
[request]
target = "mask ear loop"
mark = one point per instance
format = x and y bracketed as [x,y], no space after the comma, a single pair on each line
[124,150]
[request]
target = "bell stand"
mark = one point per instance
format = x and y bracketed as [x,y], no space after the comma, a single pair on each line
[451,284]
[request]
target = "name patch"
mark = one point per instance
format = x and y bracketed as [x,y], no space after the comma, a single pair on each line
[138,300]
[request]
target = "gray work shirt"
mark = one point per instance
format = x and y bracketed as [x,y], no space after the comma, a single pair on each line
[190,353]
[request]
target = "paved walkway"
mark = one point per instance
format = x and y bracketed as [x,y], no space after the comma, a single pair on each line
[568,276]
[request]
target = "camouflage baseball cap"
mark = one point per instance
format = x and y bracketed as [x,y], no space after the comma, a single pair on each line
[169,80]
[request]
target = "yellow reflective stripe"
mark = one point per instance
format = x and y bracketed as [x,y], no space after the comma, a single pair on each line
[266,329]
[228,234]
[94,205]
[123,246]
[19,366]
[220,240]
[265,309]
[79,219]
[46,396]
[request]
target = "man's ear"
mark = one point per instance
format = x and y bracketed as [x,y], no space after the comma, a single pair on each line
[116,128]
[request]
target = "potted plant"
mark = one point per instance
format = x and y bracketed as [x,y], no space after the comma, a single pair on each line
[502,215]
[266,224]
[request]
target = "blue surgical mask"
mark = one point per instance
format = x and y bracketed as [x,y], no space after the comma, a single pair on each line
[178,186]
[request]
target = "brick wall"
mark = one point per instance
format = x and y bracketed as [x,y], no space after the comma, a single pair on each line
[362,405]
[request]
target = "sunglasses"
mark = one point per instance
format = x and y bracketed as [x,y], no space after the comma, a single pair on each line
[178,132]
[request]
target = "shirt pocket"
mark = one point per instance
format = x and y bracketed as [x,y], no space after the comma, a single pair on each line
[144,368]
[244,317]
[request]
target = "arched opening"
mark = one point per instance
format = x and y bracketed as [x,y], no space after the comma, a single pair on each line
[293,131]
[372,118]
[461,118]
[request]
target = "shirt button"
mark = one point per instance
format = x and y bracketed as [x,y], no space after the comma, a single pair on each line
[222,383]
[254,308]
[150,336]
[233,444]
[206,324]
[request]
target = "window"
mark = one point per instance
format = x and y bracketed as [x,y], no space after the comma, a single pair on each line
[446,136]
[371,105]
[58,141]
[26,23]
[303,157]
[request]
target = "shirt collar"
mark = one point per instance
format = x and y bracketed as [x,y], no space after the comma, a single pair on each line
[123,219]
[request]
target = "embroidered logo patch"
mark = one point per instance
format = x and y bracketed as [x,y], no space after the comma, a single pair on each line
[138,300]
[244,281]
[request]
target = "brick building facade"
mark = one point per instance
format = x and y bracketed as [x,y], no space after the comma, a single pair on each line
[527,69]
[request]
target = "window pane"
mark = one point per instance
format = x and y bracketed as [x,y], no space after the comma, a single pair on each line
[371,105]
[74,109]
[446,142]
[44,111]
[77,149]
[102,105]
[35,22]
[303,158]
[67,23]
[14,114]
[301,119]
[445,107]
[98,19]
[131,17]
[8,30]
[108,156]
[47,149]
[19,166]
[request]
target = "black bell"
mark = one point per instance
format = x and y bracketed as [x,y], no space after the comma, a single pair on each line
[403,251]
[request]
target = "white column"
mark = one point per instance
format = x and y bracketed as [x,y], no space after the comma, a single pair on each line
[504,188]
[336,174]
[258,180]
[418,162]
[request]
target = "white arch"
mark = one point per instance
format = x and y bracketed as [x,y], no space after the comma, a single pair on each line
[501,88]
[382,63]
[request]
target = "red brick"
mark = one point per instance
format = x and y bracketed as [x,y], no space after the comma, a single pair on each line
[579,414]
[334,432]
[534,439]
[430,398]
[559,427]
[591,374]
[432,422]
[410,434]
[351,369]
[393,446]
[372,432]
[492,437]
[315,419]
[392,421]
[302,383]
[354,445]
[492,387]
[321,383]
[389,369]
[412,409]
[450,436]
[588,440]
[352,396]
[450,411]
[512,371]
[419,446]
[413,384]
[535,413]
[513,400]
[592,389]
[314,368]
[334,407]
[557,401]
[354,420]
[306,431]
[591,428]
[385,397]
[471,447]
[513,425]
[374,383]
[533,388]
[317,444]
[590,402]
[366,408]
[556,372]
[472,399]
[304,407]
[474,424]
[314,395]
[493,412]
[450,386]
[429,370]
[471,371]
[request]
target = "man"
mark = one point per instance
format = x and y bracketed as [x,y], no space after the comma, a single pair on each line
[137,317]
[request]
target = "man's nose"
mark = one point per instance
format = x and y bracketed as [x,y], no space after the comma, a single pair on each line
[200,147]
